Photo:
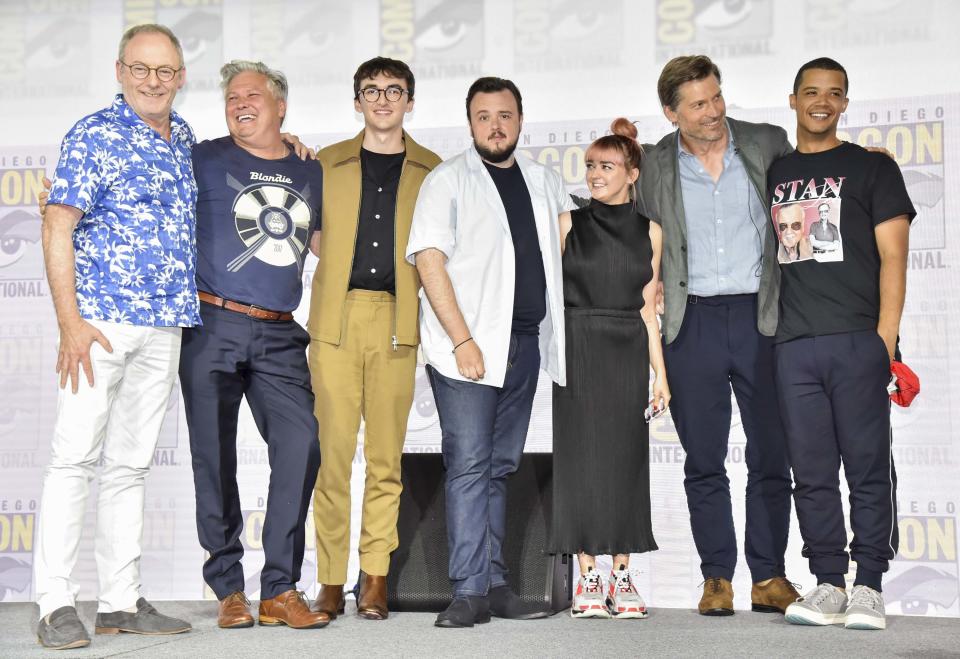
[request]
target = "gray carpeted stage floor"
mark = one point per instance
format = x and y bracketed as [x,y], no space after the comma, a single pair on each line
[667,632]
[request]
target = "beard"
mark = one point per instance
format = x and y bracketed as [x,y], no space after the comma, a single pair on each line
[496,157]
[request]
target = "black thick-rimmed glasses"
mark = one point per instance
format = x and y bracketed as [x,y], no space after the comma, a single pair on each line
[372,94]
[796,226]
[141,71]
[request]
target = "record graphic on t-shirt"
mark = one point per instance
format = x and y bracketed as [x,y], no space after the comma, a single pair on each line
[273,221]
[808,230]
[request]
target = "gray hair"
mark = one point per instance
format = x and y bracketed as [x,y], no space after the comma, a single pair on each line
[149,28]
[276,81]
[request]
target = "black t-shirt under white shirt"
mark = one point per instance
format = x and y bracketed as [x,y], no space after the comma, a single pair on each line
[836,287]
[530,283]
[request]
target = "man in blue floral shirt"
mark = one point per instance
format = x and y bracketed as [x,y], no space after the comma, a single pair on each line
[118,240]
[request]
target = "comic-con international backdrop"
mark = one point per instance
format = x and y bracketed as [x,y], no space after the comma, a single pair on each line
[578,64]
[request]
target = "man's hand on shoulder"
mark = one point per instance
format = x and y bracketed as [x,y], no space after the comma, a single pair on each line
[302,150]
[43,196]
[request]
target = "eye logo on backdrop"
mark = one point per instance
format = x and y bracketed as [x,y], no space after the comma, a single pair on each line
[21,254]
[44,45]
[923,578]
[720,29]
[16,553]
[437,38]
[830,24]
[198,25]
[286,34]
[556,35]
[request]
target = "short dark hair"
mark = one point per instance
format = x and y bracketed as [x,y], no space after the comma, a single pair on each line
[680,70]
[392,68]
[821,63]
[491,85]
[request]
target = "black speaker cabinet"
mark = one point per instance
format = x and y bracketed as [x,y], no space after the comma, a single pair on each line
[418,568]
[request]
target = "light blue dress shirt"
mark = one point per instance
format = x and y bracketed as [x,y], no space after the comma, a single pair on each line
[726,225]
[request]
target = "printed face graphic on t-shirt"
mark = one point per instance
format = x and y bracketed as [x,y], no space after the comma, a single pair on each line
[272,220]
[806,217]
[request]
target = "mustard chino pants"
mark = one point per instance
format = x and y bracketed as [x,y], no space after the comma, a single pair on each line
[363,376]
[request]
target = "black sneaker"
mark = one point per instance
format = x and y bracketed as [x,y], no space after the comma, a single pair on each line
[62,630]
[465,611]
[504,603]
[147,620]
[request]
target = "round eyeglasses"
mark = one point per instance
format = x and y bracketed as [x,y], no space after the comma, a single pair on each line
[141,71]
[372,94]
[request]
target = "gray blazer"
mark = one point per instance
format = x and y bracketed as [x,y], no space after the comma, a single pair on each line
[660,198]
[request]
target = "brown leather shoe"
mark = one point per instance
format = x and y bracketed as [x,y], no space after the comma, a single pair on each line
[372,600]
[330,600]
[291,609]
[717,597]
[234,612]
[774,596]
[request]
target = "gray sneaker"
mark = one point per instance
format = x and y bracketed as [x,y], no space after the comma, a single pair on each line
[147,620]
[824,605]
[62,630]
[865,609]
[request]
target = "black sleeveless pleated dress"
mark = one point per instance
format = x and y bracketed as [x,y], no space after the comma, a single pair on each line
[601,454]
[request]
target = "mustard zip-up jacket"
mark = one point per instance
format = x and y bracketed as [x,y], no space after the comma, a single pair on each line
[341,216]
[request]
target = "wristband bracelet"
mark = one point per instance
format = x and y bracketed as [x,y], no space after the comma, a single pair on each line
[469,338]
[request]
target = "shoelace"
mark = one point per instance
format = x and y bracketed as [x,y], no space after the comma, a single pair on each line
[713,583]
[819,595]
[624,583]
[591,582]
[865,596]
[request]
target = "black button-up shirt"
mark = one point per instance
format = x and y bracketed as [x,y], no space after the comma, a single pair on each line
[373,255]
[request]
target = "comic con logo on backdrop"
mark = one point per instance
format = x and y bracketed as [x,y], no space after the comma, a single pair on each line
[287,34]
[21,254]
[437,38]
[923,580]
[917,147]
[554,35]
[44,48]
[251,537]
[863,23]
[718,28]
[16,550]
[21,393]
[198,25]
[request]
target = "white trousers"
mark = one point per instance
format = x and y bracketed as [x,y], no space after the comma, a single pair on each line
[118,419]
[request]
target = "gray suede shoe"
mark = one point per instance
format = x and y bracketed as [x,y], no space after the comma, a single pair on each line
[147,620]
[62,630]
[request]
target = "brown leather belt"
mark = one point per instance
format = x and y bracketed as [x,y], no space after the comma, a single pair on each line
[248,309]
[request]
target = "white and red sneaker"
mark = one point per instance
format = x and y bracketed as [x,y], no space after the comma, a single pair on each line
[623,600]
[589,601]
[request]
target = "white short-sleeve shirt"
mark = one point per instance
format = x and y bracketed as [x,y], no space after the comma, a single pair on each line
[459,212]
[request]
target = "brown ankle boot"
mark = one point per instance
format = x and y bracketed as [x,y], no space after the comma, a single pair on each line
[330,600]
[372,600]
[717,597]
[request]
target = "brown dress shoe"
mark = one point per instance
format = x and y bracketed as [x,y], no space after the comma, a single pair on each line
[234,612]
[291,609]
[717,597]
[372,601]
[774,596]
[330,601]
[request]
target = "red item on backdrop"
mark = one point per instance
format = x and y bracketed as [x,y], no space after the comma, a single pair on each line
[907,384]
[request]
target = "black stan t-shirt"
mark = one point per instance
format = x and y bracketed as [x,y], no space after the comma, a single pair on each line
[831,202]
[530,283]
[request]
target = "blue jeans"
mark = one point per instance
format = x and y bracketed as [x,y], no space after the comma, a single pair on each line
[484,429]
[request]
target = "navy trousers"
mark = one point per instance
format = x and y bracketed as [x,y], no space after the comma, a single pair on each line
[483,432]
[836,409]
[229,357]
[719,346]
